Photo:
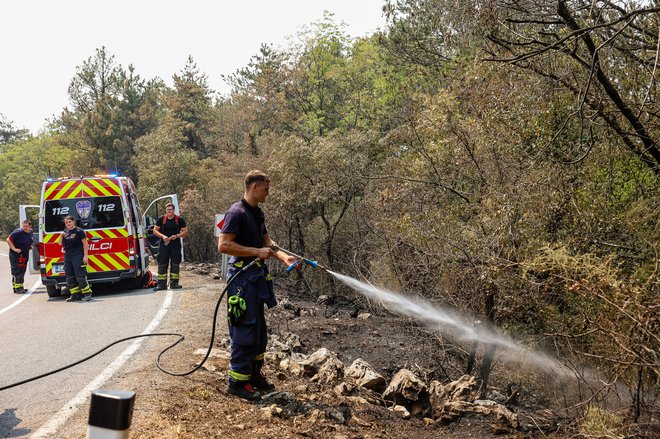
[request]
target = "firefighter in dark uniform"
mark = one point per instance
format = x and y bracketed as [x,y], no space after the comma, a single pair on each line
[170,228]
[76,251]
[244,237]
[20,243]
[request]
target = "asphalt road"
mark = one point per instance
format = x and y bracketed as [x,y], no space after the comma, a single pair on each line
[39,334]
[6,293]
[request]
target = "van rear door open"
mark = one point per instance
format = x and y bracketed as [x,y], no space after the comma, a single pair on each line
[157,210]
[31,212]
[106,207]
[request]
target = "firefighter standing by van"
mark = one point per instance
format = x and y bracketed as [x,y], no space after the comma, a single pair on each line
[171,228]
[76,251]
[245,237]
[20,243]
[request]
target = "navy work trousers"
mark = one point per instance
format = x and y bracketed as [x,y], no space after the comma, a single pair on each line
[249,334]
[18,263]
[76,275]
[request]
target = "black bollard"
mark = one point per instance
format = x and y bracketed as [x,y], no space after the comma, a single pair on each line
[110,414]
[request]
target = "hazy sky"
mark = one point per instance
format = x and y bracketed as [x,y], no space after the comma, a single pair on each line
[43,41]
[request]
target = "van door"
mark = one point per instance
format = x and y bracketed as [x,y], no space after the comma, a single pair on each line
[155,210]
[31,212]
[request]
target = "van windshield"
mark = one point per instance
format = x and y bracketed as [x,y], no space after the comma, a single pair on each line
[90,213]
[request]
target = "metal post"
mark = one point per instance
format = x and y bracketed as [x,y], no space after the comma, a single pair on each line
[223,266]
[110,414]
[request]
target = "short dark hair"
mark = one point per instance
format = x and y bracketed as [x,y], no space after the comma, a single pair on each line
[255,176]
[70,217]
[27,221]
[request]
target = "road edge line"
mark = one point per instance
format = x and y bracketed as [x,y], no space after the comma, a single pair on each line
[24,297]
[51,426]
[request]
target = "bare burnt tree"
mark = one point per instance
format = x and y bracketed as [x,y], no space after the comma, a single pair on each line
[604,52]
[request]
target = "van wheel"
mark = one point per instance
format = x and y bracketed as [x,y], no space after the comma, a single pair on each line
[135,284]
[53,291]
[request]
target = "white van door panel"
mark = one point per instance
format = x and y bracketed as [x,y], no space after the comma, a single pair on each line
[31,212]
[155,210]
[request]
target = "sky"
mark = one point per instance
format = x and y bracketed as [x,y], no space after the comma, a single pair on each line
[43,41]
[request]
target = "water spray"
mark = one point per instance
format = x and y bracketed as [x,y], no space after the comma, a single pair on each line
[439,319]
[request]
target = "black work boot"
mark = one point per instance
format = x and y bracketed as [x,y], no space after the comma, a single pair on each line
[259,382]
[175,285]
[74,297]
[87,293]
[160,286]
[244,390]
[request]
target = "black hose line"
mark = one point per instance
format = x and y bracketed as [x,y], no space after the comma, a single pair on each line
[155,334]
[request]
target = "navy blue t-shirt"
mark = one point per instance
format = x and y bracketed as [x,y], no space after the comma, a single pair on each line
[21,240]
[248,224]
[73,239]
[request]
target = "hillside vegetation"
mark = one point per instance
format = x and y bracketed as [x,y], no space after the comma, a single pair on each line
[498,158]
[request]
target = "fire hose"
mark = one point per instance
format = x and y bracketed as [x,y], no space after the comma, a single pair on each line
[155,334]
[274,247]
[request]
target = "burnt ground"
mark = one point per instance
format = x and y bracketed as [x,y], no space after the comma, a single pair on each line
[198,406]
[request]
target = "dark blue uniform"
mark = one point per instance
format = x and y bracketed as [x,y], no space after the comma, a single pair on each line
[169,254]
[75,271]
[249,332]
[18,261]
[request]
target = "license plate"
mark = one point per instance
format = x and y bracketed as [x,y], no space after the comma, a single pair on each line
[58,268]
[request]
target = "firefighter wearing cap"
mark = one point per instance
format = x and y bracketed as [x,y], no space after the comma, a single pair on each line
[170,228]
[244,237]
[20,242]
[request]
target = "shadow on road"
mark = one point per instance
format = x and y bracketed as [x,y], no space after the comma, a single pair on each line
[105,291]
[8,421]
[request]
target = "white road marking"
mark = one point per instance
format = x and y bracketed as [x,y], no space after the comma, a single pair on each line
[49,429]
[23,297]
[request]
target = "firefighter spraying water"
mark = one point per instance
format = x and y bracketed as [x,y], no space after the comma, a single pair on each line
[244,236]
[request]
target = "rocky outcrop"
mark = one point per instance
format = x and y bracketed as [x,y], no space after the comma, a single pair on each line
[365,376]
[458,398]
[505,419]
[323,366]
[466,388]
[407,390]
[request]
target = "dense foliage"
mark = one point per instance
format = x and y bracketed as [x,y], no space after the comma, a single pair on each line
[497,157]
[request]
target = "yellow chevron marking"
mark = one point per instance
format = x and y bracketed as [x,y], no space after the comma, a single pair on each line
[94,234]
[110,233]
[112,261]
[122,232]
[98,262]
[77,191]
[49,266]
[112,185]
[91,269]
[50,237]
[62,191]
[98,186]
[124,259]
[51,189]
